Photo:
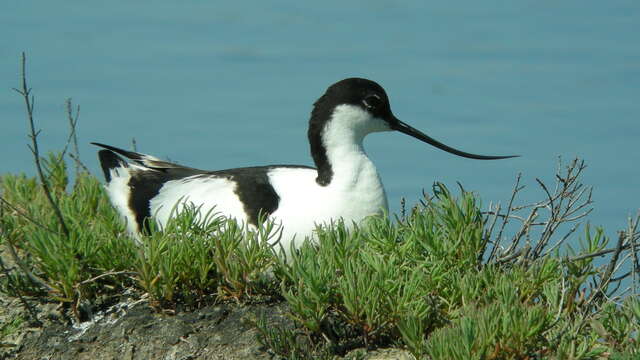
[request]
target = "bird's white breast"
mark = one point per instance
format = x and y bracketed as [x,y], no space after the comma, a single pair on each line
[305,204]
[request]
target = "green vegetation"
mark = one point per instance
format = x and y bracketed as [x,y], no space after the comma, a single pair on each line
[419,282]
[9,327]
[442,280]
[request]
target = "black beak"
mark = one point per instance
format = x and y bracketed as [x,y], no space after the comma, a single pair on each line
[404,128]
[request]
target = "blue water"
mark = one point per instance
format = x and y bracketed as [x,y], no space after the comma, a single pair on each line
[218,85]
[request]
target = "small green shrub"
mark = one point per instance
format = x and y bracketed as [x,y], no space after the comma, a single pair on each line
[195,256]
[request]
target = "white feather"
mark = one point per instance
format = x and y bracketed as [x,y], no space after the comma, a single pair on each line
[119,193]
[210,194]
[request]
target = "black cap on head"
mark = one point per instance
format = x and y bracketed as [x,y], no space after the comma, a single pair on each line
[364,93]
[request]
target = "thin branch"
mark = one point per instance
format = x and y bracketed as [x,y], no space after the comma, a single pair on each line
[73,122]
[71,131]
[73,134]
[403,210]
[605,279]
[524,229]
[621,277]
[29,103]
[632,233]
[516,189]
[25,215]
[10,284]
[487,235]
[79,163]
[566,202]
[496,213]
[564,238]
[24,301]
[108,273]
[35,279]
[598,253]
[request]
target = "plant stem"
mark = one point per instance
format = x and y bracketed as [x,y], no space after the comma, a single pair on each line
[29,102]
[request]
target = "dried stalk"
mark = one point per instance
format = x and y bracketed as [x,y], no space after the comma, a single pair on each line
[73,137]
[24,215]
[29,100]
[10,284]
[35,279]
[567,202]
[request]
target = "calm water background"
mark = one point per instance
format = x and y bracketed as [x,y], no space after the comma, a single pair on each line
[218,85]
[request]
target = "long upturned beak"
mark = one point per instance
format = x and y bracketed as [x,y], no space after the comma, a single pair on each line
[404,128]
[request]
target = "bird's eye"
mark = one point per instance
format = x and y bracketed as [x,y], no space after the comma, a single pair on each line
[372,101]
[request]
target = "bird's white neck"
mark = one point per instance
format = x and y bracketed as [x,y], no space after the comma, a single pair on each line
[342,139]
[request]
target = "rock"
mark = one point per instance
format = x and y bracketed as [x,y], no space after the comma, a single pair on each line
[216,332]
[132,330]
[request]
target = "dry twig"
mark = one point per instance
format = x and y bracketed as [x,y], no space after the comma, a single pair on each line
[568,202]
[29,100]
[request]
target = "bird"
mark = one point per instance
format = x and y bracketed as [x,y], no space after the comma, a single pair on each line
[343,186]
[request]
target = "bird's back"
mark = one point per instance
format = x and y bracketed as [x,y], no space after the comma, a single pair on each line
[149,188]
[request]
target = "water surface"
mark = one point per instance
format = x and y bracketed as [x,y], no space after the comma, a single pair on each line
[219,85]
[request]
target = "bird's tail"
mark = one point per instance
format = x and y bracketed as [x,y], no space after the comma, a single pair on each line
[112,164]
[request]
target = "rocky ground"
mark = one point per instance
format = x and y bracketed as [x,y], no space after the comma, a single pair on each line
[131,329]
